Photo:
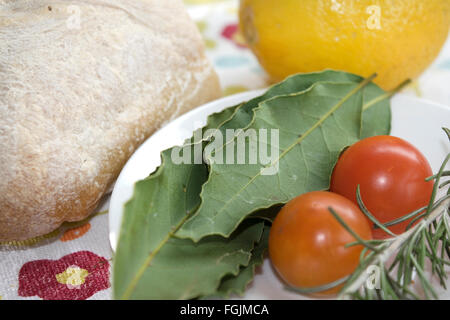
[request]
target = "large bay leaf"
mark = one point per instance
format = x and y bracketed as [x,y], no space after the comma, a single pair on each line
[310,139]
[162,202]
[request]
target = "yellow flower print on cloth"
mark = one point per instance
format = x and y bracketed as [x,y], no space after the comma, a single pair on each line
[73,276]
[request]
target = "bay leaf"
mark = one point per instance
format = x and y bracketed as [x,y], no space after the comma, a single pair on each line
[162,203]
[217,119]
[267,214]
[232,284]
[159,205]
[376,120]
[239,116]
[187,270]
[310,140]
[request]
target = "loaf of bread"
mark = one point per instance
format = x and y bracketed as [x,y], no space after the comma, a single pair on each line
[82,84]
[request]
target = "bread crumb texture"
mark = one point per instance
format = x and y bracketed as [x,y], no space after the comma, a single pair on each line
[82,84]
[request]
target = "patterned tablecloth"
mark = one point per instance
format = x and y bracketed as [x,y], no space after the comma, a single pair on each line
[74,262]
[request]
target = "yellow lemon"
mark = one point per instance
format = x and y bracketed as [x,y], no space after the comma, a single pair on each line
[397,39]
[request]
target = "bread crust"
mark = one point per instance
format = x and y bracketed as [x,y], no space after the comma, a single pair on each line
[82,85]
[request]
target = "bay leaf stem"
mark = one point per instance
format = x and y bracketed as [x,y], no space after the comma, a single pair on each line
[386,95]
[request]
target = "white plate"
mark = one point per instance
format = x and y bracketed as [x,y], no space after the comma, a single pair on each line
[415,120]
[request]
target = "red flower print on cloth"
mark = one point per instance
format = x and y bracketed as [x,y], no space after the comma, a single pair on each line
[76,276]
[232,33]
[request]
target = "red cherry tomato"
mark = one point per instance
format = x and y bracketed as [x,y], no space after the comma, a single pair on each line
[391,173]
[307,243]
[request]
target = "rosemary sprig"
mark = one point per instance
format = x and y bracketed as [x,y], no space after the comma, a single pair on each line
[427,242]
